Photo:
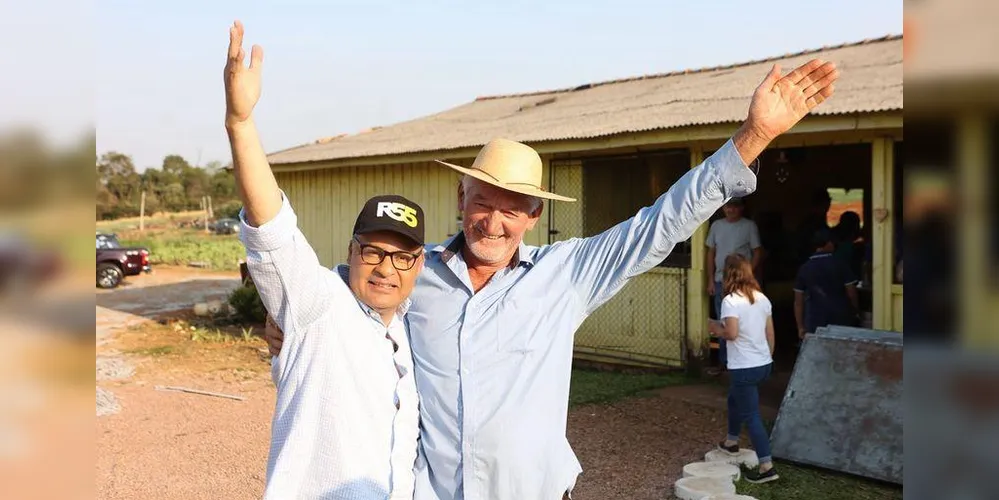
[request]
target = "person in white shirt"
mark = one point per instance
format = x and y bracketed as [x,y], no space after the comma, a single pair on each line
[346,422]
[734,234]
[748,329]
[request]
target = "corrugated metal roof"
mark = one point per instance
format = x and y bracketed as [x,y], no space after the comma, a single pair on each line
[871,81]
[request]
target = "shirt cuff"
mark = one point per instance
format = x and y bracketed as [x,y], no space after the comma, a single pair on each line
[738,180]
[271,235]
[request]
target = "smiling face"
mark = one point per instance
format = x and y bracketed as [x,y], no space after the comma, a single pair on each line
[494,220]
[382,286]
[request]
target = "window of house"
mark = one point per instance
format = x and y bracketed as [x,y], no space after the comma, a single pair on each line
[842,201]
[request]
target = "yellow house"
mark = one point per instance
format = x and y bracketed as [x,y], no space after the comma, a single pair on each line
[618,145]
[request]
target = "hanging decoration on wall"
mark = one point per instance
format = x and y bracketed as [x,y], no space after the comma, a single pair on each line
[782,172]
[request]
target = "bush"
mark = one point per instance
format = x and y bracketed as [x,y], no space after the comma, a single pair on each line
[246,304]
[228,210]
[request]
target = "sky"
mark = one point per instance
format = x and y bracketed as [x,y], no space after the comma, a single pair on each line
[335,67]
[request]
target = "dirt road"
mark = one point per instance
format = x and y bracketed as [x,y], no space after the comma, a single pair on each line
[163,445]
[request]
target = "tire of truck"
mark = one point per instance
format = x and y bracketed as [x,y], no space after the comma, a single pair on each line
[109,275]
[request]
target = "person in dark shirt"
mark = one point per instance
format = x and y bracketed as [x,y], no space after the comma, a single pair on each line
[825,291]
[814,220]
[849,246]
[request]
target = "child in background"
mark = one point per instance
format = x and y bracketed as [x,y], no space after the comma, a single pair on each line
[747,327]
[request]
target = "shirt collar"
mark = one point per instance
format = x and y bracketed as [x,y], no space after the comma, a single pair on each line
[820,255]
[344,271]
[454,244]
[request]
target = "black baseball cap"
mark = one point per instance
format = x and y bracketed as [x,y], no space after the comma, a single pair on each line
[392,213]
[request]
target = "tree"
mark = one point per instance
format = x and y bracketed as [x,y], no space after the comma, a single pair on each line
[175,164]
[117,172]
[173,198]
[113,164]
[223,185]
[196,184]
[174,187]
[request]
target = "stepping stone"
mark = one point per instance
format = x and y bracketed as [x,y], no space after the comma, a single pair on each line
[696,488]
[721,470]
[729,496]
[745,458]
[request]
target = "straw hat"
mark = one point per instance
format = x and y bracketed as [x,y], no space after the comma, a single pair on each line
[509,165]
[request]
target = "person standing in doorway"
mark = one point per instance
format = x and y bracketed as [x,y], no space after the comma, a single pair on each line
[815,220]
[733,235]
[848,242]
[825,291]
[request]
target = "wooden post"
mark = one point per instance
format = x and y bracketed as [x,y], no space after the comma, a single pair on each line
[882,201]
[697,298]
[142,212]
[211,213]
[204,212]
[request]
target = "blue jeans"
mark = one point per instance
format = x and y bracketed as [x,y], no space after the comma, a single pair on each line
[722,348]
[744,408]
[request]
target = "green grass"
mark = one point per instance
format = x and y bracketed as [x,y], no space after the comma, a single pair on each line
[183,246]
[591,386]
[154,351]
[800,483]
[844,196]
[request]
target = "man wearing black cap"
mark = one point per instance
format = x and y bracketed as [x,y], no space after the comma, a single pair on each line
[346,422]
[825,291]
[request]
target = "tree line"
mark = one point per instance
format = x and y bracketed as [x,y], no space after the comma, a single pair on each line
[175,186]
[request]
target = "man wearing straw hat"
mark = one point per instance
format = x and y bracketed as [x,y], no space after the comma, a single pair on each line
[492,319]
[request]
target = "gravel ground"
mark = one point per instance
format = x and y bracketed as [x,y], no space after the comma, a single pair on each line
[637,448]
[107,403]
[167,445]
[112,367]
[174,445]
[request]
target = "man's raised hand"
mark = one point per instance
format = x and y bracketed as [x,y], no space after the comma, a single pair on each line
[781,102]
[242,84]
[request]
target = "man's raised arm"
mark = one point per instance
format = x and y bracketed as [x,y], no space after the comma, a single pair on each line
[601,264]
[256,184]
[283,264]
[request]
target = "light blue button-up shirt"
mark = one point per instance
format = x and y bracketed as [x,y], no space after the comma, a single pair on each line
[493,367]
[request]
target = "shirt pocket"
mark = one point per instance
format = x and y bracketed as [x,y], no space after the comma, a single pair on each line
[516,325]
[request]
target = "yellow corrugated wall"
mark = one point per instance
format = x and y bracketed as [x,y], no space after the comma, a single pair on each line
[327,201]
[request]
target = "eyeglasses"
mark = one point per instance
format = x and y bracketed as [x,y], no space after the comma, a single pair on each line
[372,255]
